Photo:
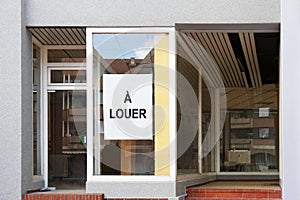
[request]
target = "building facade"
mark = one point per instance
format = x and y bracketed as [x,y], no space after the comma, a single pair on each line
[144,99]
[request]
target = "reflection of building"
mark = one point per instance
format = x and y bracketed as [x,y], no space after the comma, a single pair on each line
[235,116]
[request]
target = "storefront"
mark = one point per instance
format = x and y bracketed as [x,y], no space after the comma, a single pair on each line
[139,110]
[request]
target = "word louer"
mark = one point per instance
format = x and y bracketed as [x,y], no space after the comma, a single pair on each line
[133,113]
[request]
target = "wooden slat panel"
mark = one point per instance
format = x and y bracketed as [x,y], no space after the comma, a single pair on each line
[73,32]
[209,66]
[206,40]
[225,56]
[81,32]
[50,35]
[231,57]
[78,35]
[186,40]
[255,58]
[236,63]
[63,38]
[218,57]
[42,35]
[242,39]
[37,36]
[250,55]
[67,34]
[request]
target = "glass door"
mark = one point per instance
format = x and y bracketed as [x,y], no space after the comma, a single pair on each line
[67,138]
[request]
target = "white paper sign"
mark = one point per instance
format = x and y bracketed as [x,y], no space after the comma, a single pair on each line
[263,112]
[127,106]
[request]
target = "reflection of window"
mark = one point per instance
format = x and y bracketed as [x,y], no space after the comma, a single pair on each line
[67,76]
[264,132]
[66,55]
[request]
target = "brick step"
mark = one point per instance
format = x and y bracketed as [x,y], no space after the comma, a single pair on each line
[61,196]
[232,194]
[69,196]
[137,199]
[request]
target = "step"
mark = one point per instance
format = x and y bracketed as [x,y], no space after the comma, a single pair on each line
[62,196]
[233,192]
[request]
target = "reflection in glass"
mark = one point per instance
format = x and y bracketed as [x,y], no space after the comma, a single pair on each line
[250,137]
[187,119]
[121,54]
[67,138]
[68,76]
[66,55]
[36,111]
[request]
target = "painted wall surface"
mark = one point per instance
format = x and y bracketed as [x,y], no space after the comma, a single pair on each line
[290,98]
[149,12]
[10,100]
[15,103]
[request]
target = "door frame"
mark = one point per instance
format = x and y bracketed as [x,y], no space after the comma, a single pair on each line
[45,89]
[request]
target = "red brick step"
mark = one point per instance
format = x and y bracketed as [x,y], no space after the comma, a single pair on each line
[196,193]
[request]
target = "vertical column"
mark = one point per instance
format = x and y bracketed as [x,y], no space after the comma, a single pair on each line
[200,123]
[15,102]
[161,113]
[289,99]
[217,130]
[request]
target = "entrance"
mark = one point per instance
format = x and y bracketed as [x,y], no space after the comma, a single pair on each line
[65,105]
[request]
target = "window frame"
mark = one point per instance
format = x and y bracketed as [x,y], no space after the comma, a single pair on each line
[172,103]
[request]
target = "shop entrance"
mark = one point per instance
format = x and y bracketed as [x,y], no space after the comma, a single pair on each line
[65,80]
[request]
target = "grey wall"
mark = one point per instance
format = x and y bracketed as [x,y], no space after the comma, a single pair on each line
[149,12]
[11,100]
[290,98]
[15,102]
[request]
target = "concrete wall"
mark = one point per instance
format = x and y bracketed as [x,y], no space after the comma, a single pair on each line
[290,98]
[149,12]
[15,102]
[11,100]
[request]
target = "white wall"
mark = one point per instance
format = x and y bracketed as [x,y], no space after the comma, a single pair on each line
[15,102]
[10,100]
[149,12]
[290,98]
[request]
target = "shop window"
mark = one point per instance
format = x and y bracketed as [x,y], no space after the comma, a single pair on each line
[126,54]
[239,98]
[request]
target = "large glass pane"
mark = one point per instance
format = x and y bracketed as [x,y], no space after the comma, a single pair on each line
[187,117]
[250,134]
[121,54]
[36,110]
[250,141]
[207,118]
[67,138]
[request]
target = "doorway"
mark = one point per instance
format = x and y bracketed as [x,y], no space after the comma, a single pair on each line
[64,78]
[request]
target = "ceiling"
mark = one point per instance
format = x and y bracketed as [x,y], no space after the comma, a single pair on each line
[247,64]
[241,59]
[59,35]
